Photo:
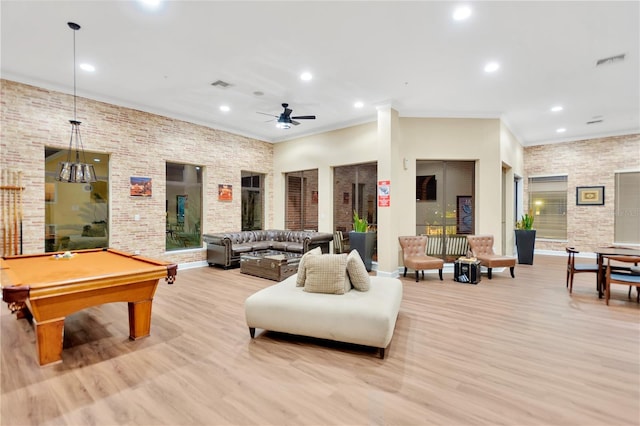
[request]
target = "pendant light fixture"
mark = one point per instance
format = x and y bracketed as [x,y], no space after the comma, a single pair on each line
[76,171]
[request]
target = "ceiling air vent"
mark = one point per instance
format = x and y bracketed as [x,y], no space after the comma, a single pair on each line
[221,84]
[610,60]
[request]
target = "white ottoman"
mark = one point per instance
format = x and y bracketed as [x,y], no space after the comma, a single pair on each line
[363,318]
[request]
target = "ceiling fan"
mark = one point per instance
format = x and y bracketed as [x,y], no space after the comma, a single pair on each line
[285,120]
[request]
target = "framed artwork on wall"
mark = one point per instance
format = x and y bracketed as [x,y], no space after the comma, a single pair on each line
[181,205]
[140,186]
[225,192]
[426,188]
[464,214]
[49,192]
[590,195]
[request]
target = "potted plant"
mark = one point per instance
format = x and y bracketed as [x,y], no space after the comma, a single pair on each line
[525,239]
[361,240]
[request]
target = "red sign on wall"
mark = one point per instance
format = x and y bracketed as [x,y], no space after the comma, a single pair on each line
[384,199]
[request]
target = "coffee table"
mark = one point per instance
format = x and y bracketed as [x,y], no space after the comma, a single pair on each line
[270,264]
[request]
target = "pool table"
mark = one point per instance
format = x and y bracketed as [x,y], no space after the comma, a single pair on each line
[48,287]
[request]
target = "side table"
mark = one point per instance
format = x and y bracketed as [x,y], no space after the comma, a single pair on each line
[467,270]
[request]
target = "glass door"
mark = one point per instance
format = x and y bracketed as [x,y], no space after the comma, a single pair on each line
[445,205]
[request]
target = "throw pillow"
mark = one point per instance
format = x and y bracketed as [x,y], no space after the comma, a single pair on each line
[98,230]
[327,274]
[302,268]
[86,231]
[357,272]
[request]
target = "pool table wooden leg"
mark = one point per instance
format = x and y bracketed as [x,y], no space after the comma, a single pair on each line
[139,319]
[49,337]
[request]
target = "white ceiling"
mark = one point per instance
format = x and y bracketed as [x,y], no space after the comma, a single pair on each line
[410,55]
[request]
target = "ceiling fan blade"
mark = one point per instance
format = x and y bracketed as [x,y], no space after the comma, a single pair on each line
[264,113]
[305,117]
[294,122]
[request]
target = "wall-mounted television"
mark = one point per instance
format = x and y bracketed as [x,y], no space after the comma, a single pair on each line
[426,188]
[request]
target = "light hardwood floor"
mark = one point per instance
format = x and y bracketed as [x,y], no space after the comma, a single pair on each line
[506,351]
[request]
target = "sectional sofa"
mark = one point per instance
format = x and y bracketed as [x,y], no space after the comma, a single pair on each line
[225,249]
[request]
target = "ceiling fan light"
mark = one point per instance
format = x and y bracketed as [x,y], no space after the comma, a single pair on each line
[283,125]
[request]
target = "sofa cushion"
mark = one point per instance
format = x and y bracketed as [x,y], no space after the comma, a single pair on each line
[242,248]
[296,247]
[279,245]
[95,230]
[358,274]
[260,245]
[327,274]
[302,268]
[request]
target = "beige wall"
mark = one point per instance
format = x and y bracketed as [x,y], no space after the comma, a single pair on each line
[353,145]
[139,144]
[512,156]
[479,140]
[592,162]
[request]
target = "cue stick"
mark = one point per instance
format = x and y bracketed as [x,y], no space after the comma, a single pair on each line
[20,209]
[15,212]
[4,214]
[4,229]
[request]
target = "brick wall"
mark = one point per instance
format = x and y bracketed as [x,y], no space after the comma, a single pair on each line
[139,144]
[592,162]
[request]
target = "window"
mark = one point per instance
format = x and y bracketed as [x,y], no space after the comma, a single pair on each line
[183,206]
[301,209]
[252,201]
[548,204]
[355,189]
[86,225]
[627,209]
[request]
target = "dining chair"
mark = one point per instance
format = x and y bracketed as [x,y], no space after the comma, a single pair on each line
[630,277]
[340,243]
[576,268]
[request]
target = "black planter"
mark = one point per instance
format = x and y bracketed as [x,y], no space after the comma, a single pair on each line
[363,242]
[525,242]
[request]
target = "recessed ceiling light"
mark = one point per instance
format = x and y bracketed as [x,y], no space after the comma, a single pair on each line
[491,67]
[556,108]
[150,4]
[461,13]
[561,130]
[358,104]
[225,108]
[96,160]
[87,67]
[306,76]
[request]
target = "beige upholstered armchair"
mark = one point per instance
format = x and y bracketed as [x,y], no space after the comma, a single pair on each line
[414,257]
[481,247]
